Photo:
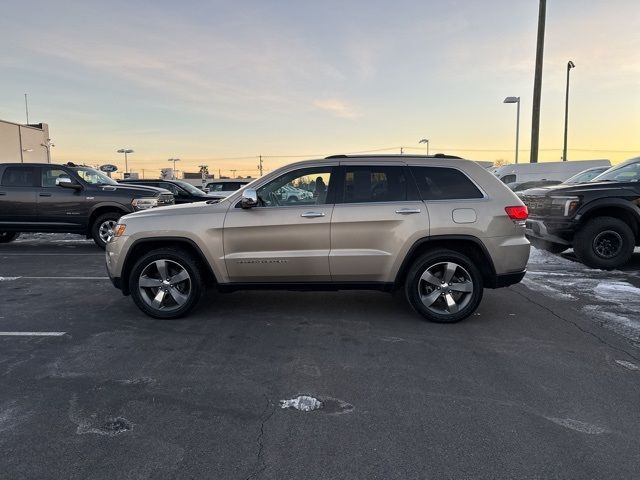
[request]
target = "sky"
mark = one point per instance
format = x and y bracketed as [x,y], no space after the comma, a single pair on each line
[220,83]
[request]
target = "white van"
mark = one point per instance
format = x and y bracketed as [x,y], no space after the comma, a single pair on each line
[561,171]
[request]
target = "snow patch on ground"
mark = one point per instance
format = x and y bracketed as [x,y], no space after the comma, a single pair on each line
[620,324]
[8,279]
[617,292]
[627,365]
[304,403]
[578,426]
[542,257]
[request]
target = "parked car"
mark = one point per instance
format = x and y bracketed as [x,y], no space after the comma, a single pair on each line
[519,187]
[67,198]
[586,175]
[292,194]
[183,192]
[225,187]
[599,219]
[561,171]
[441,229]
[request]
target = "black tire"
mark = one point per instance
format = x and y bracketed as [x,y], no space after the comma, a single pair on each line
[99,223]
[604,242]
[7,237]
[174,259]
[548,246]
[417,288]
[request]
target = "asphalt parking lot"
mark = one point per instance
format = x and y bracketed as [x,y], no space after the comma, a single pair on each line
[542,382]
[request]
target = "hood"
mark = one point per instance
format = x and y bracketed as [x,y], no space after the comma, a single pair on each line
[137,190]
[182,209]
[574,189]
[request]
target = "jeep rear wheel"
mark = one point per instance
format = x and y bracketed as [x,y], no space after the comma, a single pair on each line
[166,283]
[103,227]
[444,286]
[604,242]
[6,237]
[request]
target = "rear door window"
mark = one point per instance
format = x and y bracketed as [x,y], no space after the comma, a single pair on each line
[18,177]
[442,183]
[373,184]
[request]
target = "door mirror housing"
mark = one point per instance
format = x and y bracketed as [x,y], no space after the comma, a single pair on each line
[66,182]
[249,198]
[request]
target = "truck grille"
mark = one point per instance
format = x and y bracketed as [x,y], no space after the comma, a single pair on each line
[165,199]
[537,205]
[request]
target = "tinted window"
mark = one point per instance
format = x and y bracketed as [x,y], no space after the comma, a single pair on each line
[18,177]
[171,187]
[50,174]
[444,184]
[363,184]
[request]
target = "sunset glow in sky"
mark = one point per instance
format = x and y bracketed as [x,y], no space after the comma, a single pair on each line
[211,81]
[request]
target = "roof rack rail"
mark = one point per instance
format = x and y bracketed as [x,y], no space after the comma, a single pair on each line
[444,155]
[336,156]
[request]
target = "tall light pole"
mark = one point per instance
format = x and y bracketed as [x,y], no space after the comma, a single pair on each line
[517,101]
[174,160]
[537,83]
[126,152]
[570,65]
[425,140]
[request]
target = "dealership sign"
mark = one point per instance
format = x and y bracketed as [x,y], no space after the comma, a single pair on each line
[109,168]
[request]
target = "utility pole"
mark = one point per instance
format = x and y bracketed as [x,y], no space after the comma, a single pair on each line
[219,173]
[537,84]
[260,166]
[233,173]
[570,65]
[401,150]
[26,107]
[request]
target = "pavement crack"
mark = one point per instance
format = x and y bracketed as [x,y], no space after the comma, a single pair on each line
[597,337]
[260,465]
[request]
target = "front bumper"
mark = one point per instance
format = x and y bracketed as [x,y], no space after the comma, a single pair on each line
[556,232]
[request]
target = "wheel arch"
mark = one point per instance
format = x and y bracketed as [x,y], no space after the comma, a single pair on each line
[146,245]
[468,245]
[101,209]
[616,208]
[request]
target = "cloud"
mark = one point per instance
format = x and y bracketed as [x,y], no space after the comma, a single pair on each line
[337,108]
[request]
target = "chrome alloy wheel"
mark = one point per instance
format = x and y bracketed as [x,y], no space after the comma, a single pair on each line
[445,288]
[106,230]
[164,285]
[607,244]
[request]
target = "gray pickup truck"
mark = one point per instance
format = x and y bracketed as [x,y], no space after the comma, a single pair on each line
[68,198]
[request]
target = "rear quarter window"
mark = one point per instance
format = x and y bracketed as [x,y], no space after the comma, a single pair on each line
[442,183]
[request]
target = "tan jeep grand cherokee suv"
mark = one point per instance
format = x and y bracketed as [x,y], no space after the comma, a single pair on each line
[442,228]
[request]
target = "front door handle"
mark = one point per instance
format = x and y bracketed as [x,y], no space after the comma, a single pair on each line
[312,214]
[44,194]
[407,211]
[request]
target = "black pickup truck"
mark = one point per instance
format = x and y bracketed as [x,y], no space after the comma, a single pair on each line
[600,219]
[37,197]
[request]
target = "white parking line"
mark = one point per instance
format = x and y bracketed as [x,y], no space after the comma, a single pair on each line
[31,334]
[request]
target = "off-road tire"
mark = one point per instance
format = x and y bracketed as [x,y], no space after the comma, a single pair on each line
[587,243]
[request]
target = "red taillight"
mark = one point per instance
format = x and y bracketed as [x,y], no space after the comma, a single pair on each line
[521,212]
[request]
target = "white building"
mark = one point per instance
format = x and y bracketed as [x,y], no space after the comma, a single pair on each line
[24,143]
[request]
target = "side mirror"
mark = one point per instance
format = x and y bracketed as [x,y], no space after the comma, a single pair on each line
[66,182]
[249,198]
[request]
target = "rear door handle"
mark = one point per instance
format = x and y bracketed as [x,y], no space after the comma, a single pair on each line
[407,211]
[312,214]
[44,194]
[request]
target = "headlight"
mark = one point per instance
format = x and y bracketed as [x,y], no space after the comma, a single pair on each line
[144,203]
[564,206]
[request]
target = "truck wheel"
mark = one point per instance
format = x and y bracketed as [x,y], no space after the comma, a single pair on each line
[547,246]
[444,286]
[6,237]
[103,226]
[166,283]
[604,242]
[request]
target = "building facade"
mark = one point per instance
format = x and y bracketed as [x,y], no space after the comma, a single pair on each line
[24,143]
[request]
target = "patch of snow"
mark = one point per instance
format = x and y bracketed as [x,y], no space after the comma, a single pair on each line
[578,426]
[628,365]
[551,291]
[620,324]
[8,279]
[617,292]
[303,403]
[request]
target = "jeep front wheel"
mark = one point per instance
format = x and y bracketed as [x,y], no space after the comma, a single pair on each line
[604,242]
[166,283]
[444,286]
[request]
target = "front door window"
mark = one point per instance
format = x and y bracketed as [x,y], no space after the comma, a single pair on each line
[309,186]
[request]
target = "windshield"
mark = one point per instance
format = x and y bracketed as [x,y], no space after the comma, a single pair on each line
[94,177]
[586,176]
[623,173]
[191,189]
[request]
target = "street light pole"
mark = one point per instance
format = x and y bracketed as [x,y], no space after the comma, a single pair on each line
[174,160]
[537,84]
[516,100]
[570,65]
[425,140]
[126,151]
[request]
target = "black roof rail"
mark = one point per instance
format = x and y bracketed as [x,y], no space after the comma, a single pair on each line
[443,155]
[336,156]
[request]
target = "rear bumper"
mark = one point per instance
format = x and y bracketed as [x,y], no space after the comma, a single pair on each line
[506,279]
